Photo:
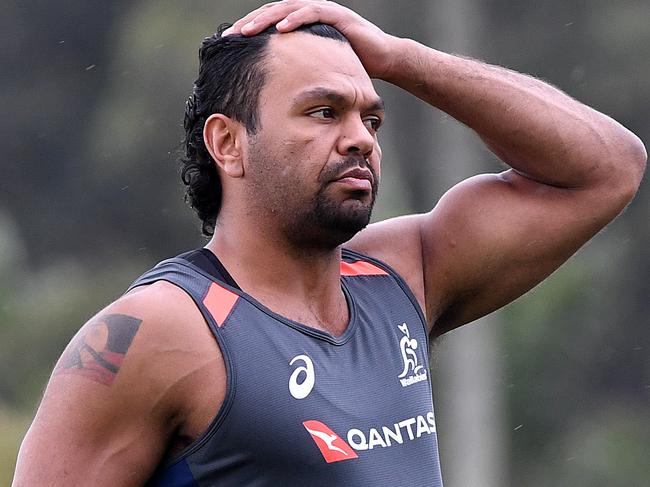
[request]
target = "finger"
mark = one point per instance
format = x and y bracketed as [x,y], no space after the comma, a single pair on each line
[269,17]
[236,27]
[308,15]
[265,18]
[296,13]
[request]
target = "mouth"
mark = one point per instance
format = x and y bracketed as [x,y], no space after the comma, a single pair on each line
[357,179]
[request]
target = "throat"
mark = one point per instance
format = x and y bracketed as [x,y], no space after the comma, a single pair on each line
[304,287]
[329,315]
[335,322]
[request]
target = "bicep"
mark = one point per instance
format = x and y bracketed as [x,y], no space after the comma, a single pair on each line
[493,237]
[95,425]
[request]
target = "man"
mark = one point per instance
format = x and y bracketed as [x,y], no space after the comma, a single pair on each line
[312,369]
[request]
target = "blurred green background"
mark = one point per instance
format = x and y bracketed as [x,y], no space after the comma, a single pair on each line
[93,95]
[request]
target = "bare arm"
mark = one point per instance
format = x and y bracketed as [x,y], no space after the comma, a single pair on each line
[113,401]
[535,128]
[90,421]
[493,237]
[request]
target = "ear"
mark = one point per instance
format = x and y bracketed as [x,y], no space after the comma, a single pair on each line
[223,138]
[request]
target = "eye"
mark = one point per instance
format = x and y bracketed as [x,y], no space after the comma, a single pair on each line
[324,112]
[373,123]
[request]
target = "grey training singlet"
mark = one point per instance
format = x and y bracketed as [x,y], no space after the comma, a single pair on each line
[304,408]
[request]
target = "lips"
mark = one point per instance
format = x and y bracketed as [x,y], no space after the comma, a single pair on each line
[357,179]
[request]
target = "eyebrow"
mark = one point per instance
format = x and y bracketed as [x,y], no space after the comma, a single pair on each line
[334,97]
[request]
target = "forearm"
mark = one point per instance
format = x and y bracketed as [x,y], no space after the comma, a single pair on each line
[535,128]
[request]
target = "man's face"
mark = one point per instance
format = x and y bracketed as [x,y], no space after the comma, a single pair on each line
[313,165]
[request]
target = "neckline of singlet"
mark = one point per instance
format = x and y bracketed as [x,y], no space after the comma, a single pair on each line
[218,270]
[206,260]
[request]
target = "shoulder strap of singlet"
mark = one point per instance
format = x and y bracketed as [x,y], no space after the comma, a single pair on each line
[215,300]
[206,260]
[351,255]
[206,264]
[183,269]
[200,283]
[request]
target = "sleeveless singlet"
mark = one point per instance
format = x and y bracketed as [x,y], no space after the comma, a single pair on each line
[305,408]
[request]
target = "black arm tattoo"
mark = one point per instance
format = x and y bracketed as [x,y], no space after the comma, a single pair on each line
[98,351]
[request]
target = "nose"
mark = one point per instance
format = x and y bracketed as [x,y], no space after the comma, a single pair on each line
[355,138]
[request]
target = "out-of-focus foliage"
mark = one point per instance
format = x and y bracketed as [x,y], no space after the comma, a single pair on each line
[93,96]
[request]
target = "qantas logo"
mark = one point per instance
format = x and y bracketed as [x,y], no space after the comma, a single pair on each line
[395,434]
[335,449]
[332,447]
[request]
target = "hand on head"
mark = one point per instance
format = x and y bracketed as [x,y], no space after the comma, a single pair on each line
[371,44]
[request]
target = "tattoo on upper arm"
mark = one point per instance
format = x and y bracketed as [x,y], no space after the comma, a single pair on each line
[98,351]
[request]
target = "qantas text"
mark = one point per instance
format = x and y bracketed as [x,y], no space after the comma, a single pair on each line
[386,436]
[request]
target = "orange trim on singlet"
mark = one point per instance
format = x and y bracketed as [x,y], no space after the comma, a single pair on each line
[361,268]
[219,302]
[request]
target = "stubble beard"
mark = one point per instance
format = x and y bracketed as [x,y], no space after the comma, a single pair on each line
[319,223]
[326,224]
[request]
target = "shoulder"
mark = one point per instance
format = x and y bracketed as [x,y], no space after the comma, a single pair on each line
[152,335]
[124,379]
[167,312]
[143,352]
[172,337]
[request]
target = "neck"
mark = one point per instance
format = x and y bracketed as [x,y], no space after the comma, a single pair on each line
[302,284]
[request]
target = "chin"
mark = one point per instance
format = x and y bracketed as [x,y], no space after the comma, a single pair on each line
[329,223]
[333,228]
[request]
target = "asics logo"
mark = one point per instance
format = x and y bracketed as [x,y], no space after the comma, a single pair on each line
[302,379]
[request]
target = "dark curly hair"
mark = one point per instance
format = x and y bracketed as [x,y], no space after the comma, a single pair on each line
[231,76]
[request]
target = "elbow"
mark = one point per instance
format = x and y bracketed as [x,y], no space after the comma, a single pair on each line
[641,158]
[626,166]
[633,163]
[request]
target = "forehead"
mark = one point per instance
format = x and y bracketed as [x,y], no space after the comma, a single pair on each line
[297,62]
